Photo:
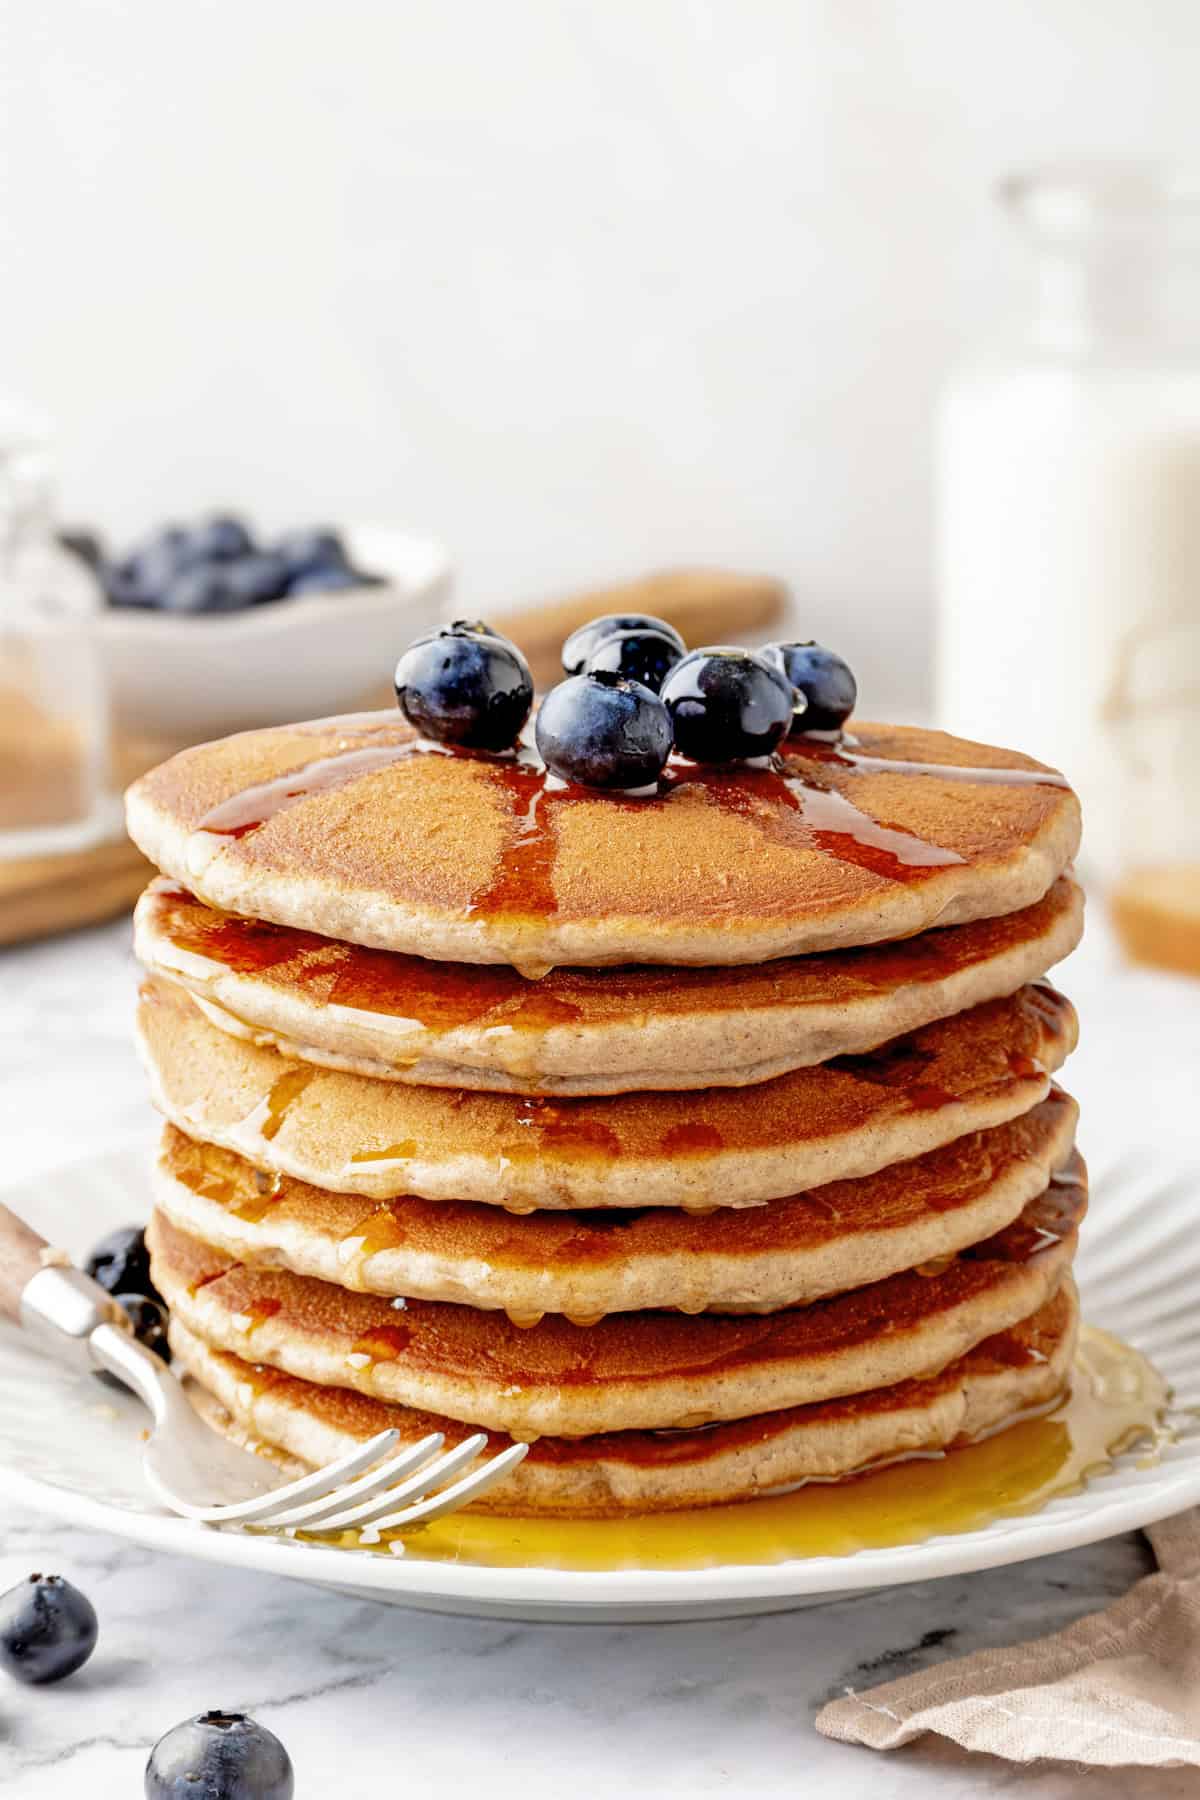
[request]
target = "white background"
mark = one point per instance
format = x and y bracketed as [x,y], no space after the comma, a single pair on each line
[580,287]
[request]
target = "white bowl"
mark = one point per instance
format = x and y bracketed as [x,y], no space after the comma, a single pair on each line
[184,679]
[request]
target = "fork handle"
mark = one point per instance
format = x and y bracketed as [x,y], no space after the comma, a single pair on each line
[22,1254]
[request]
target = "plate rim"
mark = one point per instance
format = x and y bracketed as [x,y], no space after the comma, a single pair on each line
[603,1593]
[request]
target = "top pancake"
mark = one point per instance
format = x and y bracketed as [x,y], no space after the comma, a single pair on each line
[352,828]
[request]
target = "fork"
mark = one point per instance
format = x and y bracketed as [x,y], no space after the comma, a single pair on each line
[199,1474]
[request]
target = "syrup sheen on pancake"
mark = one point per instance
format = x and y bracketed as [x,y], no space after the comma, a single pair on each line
[630,1476]
[643,1370]
[584,1265]
[847,1118]
[583,1031]
[383,839]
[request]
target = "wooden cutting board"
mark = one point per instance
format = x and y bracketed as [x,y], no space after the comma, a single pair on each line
[43,894]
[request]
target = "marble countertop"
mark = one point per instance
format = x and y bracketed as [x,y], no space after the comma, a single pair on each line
[370,1698]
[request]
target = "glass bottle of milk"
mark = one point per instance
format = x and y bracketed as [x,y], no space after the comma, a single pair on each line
[1068,478]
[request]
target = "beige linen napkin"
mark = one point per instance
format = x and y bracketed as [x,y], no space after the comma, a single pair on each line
[1119,1688]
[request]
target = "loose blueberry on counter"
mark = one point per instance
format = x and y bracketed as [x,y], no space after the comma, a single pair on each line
[465,685]
[48,1629]
[604,732]
[577,650]
[647,656]
[219,1756]
[822,678]
[727,704]
[120,1262]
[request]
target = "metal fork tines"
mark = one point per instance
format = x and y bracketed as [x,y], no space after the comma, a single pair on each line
[382,1499]
[202,1475]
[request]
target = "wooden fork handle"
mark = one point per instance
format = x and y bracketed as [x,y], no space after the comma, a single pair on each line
[22,1254]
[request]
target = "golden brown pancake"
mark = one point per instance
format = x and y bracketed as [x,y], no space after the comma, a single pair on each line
[715,1147]
[629,1371]
[1006,1376]
[584,1031]
[350,828]
[585,1265]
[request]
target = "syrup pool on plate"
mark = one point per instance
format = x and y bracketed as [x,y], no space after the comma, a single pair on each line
[1117,1400]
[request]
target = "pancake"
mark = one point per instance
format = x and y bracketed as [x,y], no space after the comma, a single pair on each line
[1002,1379]
[352,828]
[629,1371]
[755,1259]
[714,1147]
[583,1031]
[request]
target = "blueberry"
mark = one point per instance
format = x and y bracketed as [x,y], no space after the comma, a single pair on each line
[603,731]
[48,1629]
[149,1322]
[646,656]
[578,648]
[258,577]
[219,539]
[88,546]
[464,685]
[726,704]
[122,586]
[144,576]
[202,588]
[312,549]
[120,1262]
[821,679]
[219,1756]
[325,580]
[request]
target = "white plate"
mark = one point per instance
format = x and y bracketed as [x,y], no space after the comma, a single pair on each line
[192,678]
[70,1447]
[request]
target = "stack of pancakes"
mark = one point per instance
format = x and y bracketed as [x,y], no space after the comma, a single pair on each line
[706,1142]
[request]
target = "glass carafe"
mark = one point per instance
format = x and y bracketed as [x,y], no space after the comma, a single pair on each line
[1069,512]
[53,703]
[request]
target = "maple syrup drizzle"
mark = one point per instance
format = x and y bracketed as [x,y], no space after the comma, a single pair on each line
[376,1231]
[382,1343]
[252,807]
[388,1153]
[253,1208]
[255,1313]
[269,1117]
[850,758]
[548,1126]
[802,811]
[1117,1400]
[203,1281]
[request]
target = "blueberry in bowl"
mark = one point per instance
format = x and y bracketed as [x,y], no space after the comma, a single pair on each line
[465,685]
[582,644]
[329,580]
[604,731]
[822,680]
[306,550]
[727,705]
[219,1756]
[217,566]
[48,1629]
[222,538]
